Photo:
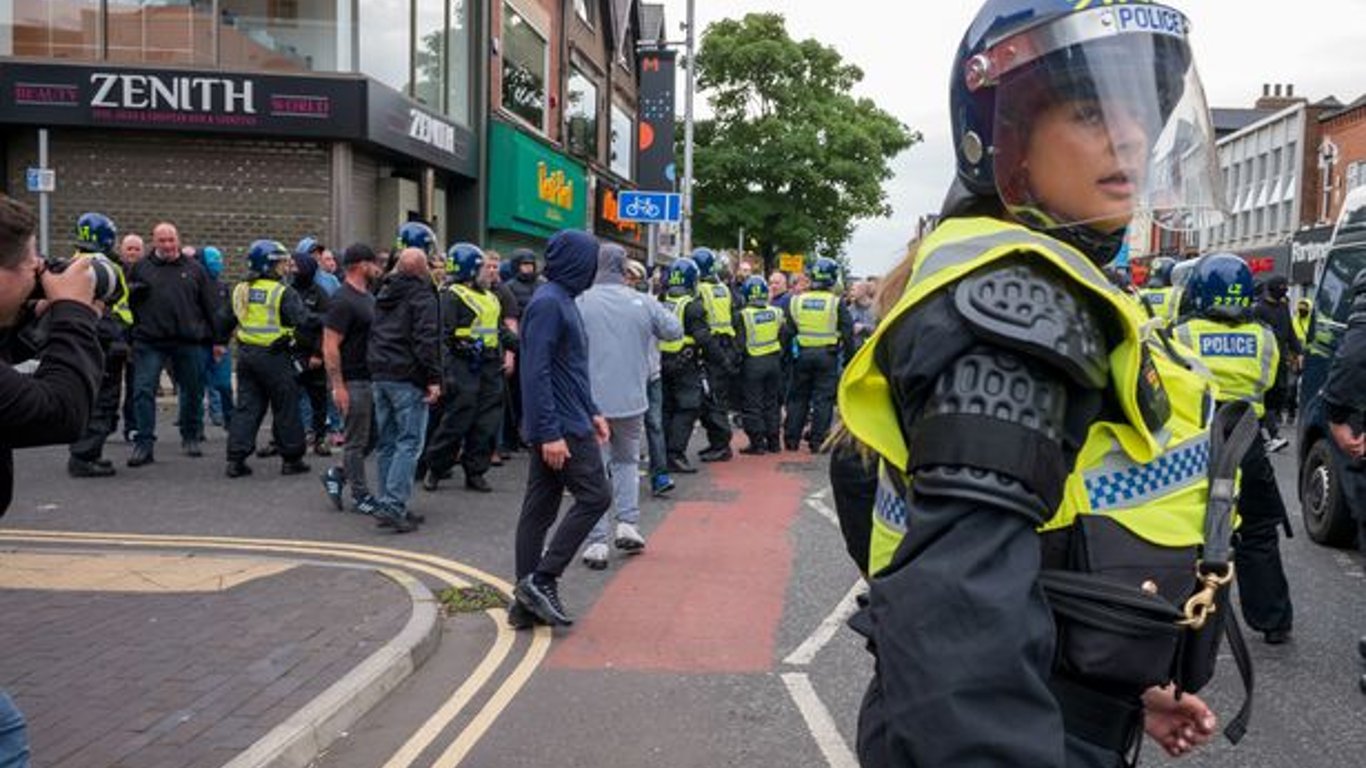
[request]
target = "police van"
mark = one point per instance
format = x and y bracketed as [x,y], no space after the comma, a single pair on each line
[1326,516]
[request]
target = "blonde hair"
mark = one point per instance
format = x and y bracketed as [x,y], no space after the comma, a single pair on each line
[889,291]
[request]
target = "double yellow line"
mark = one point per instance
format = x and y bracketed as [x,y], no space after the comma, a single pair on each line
[451,572]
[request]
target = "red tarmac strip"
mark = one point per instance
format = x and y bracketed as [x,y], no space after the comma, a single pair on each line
[708,593]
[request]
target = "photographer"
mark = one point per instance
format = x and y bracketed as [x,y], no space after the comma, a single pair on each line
[53,405]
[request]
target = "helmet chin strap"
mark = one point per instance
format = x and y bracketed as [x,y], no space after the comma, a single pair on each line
[1100,247]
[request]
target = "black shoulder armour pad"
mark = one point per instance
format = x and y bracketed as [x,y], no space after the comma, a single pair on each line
[1036,311]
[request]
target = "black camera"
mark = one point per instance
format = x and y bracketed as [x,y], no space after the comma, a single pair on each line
[103,274]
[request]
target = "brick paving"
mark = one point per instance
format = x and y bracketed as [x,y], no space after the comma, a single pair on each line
[184,680]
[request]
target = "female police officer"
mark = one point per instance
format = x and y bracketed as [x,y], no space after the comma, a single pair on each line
[1022,421]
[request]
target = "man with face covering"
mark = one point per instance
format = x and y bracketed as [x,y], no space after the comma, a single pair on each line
[564,427]
[1273,310]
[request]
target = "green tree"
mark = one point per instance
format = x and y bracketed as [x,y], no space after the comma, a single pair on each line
[790,154]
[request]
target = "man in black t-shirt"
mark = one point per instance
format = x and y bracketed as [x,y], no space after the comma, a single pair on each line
[346,334]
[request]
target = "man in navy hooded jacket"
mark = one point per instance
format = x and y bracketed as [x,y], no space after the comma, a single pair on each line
[564,428]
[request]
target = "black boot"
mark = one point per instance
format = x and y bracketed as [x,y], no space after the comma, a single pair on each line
[294,467]
[478,483]
[238,468]
[142,454]
[82,468]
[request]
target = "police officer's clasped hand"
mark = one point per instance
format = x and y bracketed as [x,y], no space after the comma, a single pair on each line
[1178,724]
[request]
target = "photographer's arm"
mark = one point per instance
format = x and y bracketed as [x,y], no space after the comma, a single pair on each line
[52,406]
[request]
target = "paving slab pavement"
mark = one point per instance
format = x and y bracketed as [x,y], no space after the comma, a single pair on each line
[157,660]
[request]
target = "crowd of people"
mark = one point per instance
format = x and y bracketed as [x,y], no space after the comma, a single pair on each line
[430,357]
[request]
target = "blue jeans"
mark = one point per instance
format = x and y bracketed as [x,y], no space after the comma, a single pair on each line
[621,455]
[401,419]
[218,382]
[13,735]
[654,428]
[188,362]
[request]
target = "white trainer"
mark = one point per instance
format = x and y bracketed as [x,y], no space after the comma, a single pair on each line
[629,539]
[595,556]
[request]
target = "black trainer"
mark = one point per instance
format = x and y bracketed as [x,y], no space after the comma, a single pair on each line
[430,480]
[478,484]
[679,465]
[238,469]
[333,483]
[295,467]
[192,449]
[142,454]
[712,455]
[82,468]
[521,617]
[755,448]
[541,595]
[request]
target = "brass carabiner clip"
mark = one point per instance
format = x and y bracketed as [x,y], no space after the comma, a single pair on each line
[1203,603]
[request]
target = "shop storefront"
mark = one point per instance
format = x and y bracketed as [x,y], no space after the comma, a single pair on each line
[533,191]
[607,223]
[233,157]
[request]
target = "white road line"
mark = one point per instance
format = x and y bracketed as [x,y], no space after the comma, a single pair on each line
[812,645]
[821,508]
[820,495]
[819,722]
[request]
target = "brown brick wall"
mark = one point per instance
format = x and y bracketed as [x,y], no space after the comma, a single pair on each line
[218,191]
[1348,132]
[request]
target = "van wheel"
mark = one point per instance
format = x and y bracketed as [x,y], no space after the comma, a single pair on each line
[1326,517]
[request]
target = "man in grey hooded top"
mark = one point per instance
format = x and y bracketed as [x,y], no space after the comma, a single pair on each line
[624,328]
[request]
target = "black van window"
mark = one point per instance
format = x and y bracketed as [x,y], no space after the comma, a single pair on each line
[1334,299]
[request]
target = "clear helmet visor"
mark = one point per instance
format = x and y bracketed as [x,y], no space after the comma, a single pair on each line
[1101,119]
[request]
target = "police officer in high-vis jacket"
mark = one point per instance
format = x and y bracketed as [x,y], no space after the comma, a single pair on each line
[721,362]
[822,329]
[1242,356]
[1030,440]
[681,363]
[97,237]
[266,310]
[475,340]
[1158,293]
[763,335]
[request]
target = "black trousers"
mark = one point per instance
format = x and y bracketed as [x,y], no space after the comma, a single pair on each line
[314,384]
[584,476]
[762,381]
[874,751]
[266,379]
[715,414]
[471,410]
[1262,586]
[104,415]
[682,382]
[815,377]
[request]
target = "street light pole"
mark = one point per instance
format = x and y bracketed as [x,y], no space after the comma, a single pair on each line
[687,135]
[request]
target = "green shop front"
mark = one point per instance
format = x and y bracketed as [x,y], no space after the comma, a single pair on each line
[533,190]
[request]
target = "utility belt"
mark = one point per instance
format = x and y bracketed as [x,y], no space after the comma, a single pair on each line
[1131,615]
[688,354]
[468,349]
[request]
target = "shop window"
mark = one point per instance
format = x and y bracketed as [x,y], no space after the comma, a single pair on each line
[524,68]
[285,35]
[458,83]
[166,32]
[581,115]
[385,40]
[429,53]
[58,29]
[623,143]
[584,10]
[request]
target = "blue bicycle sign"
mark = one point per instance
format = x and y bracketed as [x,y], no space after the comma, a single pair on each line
[650,207]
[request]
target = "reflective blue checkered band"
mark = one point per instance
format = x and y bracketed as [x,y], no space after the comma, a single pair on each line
[1120,483]
[888,504]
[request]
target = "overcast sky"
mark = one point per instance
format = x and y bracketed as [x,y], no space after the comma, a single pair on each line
[905,51]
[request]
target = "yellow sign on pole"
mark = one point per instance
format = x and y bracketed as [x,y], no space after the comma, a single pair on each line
[791,262]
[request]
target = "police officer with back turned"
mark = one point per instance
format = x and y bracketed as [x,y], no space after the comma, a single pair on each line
[719,363]
[1243,357]
[266,311]
[1044,488]
[823,329]
[763,335]
[472,405]
[681,363]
